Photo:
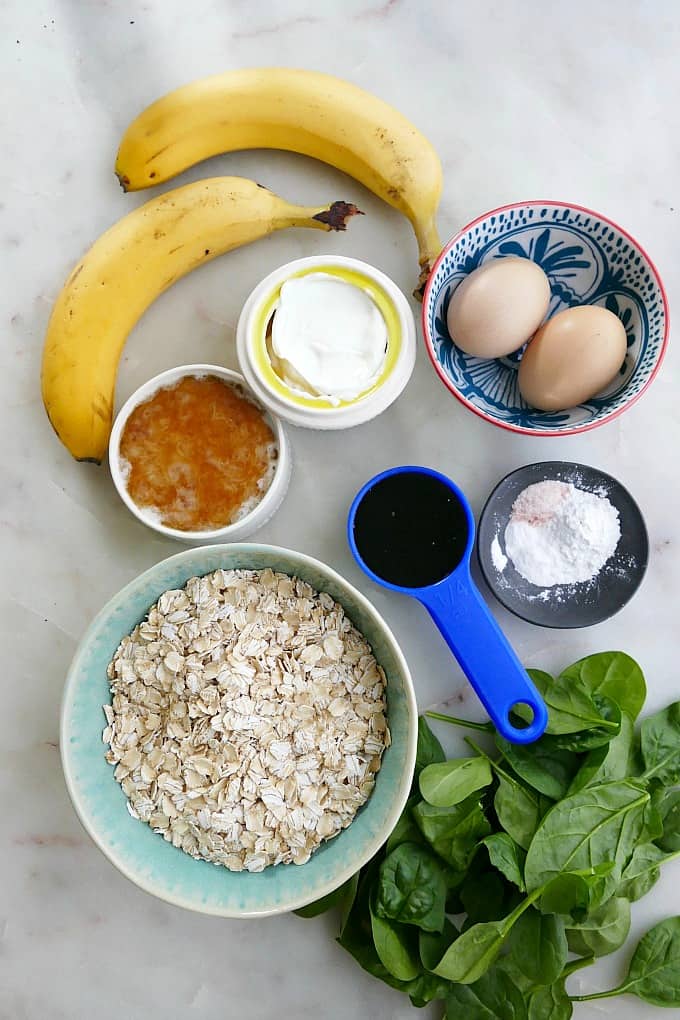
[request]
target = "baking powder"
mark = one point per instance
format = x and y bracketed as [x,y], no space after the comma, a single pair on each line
[558,534]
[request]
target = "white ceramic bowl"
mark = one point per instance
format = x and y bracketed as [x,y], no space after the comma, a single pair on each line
[315,413]
[251,521]
[145,857]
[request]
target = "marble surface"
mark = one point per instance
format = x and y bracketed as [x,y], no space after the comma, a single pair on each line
[573,101]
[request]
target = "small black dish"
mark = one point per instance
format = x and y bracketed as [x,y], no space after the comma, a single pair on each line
[573,605]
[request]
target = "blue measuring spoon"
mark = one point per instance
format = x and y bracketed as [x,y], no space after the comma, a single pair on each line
[411,530]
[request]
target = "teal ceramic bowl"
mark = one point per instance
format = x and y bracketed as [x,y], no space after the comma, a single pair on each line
[143,855]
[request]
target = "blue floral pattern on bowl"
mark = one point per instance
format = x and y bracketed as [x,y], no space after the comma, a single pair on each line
[144,856]
[588,260]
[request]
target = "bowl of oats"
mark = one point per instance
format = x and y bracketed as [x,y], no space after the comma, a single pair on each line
[238,730]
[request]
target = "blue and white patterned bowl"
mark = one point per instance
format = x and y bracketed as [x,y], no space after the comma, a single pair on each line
[588,260]
[143,855]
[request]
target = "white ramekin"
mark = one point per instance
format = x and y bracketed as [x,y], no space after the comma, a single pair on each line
[307,412]
[253,520]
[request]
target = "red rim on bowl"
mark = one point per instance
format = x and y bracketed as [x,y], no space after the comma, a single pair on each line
[520,428]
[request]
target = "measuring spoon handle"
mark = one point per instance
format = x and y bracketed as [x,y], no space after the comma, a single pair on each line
[485,656]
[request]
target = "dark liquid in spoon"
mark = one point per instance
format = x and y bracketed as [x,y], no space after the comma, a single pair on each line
[410,529]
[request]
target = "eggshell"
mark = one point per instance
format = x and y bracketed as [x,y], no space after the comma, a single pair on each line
[573,356]
[498,307]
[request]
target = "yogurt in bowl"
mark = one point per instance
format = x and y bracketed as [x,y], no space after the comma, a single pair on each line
[326,342]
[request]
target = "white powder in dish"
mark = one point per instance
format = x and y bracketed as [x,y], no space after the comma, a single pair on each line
[498,557]
[558,534]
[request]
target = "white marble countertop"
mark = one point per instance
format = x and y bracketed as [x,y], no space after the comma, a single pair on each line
[574,101]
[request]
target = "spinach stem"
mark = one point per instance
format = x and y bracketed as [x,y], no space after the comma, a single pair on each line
[571,968]
[455,721]
[598,995]
[494,764]
[521,907]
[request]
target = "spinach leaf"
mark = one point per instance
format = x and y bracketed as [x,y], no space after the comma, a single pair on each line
[432,946]
[473,952]
[453,833]
[342,897]
[396,946]
[507,857]
[575,894]
[603,931]
[428,751]
[412,888]
[476,949]
[643,870]
[669,813]
[406,830]
[654,972]
[550,1003]
[660,741]
[356,935]
[483,897]
[517,809]
[570,708]
[607,763]
[538,946]
[426,988]
[541,765]
[492,997]
[508,966]
[451,782]
[613,674]
[595,826]
[596,736]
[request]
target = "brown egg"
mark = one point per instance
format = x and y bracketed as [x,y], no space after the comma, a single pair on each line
[573,356]
[498,307]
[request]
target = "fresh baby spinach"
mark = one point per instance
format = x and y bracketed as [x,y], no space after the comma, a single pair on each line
[538,946]
[433,945]
[474,951]
[668,806]
[507,857]
[603,930]
[594,826]
[483,897]
[412,888]
[612,674]
[517,808]
[643,870]
[550,1003]
[453,833]
[542,766]
[396,946]
[428,750]
[654,972]
[447,783]
[574,894]
[606,763]
[571,709]
[342,897]
[660,745]
[579,823]
[493,997]
[406,830]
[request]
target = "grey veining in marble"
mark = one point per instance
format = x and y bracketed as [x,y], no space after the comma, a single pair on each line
[574,101]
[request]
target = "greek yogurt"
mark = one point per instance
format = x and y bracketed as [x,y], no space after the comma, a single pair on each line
[328,339]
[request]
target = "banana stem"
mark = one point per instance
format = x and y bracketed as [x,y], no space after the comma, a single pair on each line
[429,248]
[330,217]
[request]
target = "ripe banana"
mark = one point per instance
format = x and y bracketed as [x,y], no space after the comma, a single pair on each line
[126,269]
[302,111]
